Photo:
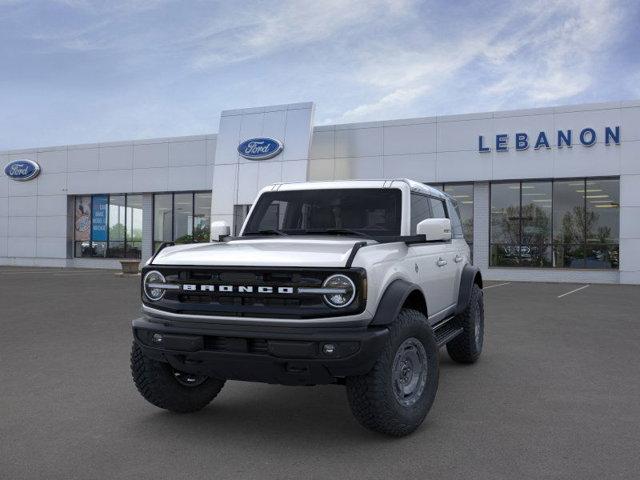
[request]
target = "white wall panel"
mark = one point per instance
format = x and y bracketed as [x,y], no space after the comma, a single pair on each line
[52,183]
[359,168]
[51,247]
[247,183]
[270,172]
[51,205]
[463,166]
[83,159]
[420,138]
[358,142]
[322,144]
[84,182]
[297,136]
[188,178]
[150,180]
[22,227]
[22,206]
[630,124]
[151,155]
[463,135]
[630,157]
[22,189]
[115,181]
[228,139]
[52,226]
[294,171]
[21,246]
[188,153]
[52,161]
[118,157]
[321,169]
[419,167]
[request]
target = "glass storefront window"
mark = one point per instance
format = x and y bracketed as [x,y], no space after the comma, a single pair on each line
[201,217]
[134,226]
[563,224]
[108,226]
[117,220]
[183,217]
[535,243]
[505,224]
[162,219]
[463,194]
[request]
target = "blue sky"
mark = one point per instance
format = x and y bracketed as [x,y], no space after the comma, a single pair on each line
[76,71]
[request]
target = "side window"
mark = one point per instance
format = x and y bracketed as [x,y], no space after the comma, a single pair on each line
[437,207]
[420,210]
[454,215]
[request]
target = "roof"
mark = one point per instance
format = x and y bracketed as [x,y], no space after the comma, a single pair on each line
[413,185]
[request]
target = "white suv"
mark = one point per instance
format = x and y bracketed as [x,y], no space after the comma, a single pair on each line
[355,283]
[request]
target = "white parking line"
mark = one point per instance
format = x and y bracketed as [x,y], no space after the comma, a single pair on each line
[573,291]
[496,285]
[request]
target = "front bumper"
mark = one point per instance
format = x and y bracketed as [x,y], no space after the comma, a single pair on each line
[288,356]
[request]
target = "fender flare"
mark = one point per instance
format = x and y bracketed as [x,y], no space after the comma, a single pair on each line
[467,279]
[392,300]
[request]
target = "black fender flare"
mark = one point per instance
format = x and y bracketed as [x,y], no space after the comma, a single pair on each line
[467,279]
[392,300]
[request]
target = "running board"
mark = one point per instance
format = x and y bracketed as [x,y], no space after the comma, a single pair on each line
[445,331]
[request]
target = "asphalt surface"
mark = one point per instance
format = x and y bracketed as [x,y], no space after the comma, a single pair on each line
[556,394]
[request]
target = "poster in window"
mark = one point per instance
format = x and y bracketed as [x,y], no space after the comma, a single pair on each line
[99,218]
[83,219]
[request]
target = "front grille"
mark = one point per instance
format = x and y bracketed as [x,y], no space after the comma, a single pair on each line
[237,303]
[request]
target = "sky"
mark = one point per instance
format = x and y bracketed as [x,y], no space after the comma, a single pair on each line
[80,71]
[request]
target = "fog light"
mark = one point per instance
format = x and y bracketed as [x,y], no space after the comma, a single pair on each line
[157,338]
[329,348]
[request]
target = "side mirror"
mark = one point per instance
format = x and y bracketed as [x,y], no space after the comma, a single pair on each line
[219,230]
[435,229]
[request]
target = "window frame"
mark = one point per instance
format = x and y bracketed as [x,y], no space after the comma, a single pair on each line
[553,243]
[125,241]
[173,215]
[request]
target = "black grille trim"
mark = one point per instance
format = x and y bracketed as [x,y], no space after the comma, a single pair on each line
[258,305]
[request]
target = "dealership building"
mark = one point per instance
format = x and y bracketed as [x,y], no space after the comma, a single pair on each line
[547,194]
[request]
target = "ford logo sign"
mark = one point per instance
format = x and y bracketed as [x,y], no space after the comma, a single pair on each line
[260,148]
[22,170]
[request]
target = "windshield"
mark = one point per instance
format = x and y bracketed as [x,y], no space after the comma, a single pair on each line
[358,211]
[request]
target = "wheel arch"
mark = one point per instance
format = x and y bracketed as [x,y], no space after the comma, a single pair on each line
[399,294]
[470,276]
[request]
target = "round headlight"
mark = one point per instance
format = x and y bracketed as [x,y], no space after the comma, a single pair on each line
[151,283]
[343,291]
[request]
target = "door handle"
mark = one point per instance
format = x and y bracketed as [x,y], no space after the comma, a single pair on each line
[441,262]
[458,258]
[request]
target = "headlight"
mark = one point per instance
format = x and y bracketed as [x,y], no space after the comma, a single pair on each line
[343,291]
[153,285]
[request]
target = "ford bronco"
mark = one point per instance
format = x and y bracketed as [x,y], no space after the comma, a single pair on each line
[356,283]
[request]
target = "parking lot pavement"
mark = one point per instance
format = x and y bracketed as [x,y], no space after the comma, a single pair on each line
[555,395]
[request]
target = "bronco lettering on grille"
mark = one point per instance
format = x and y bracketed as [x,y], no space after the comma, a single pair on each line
[189,287]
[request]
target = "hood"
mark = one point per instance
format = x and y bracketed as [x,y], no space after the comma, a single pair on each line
[308,251]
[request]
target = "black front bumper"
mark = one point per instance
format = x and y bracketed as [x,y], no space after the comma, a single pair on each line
[288,356]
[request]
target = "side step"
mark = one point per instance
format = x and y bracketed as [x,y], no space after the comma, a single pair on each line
[446,331]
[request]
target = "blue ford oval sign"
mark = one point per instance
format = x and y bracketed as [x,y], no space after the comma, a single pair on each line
[22,170]
[260,148]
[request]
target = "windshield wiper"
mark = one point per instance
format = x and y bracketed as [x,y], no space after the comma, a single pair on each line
[339,231]
[267,232]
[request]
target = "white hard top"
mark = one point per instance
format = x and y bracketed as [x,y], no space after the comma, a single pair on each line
[338,184]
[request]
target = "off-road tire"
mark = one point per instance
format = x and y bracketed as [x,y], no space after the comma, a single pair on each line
[371,396]
[156,382]
[465,348]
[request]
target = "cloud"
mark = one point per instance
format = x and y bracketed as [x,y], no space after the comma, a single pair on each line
[542,53]
[286,25]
